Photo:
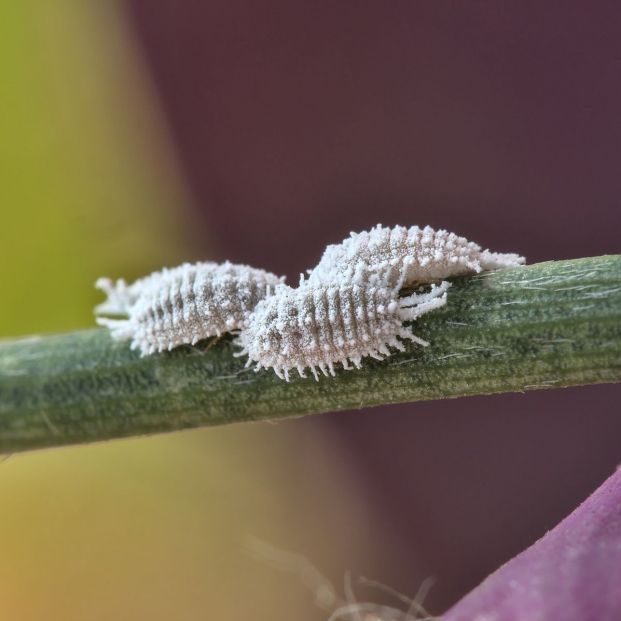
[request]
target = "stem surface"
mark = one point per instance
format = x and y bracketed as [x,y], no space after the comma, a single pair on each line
[541,326]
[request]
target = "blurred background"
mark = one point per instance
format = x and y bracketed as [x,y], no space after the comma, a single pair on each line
[140,134]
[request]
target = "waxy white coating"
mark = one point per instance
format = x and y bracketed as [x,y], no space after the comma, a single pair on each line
[348,308]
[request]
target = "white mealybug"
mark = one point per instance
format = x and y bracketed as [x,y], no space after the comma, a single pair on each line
[184,304]
[407,256]
[348,308]
[319,325]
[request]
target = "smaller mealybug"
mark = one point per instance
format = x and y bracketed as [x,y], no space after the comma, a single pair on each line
[184,304]
[406,256]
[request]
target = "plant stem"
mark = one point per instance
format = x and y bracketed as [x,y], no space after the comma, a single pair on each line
[541,326]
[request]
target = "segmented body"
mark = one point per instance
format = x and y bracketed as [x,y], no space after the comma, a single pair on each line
[348,307]
[184,304]
[317,326]
[405,256]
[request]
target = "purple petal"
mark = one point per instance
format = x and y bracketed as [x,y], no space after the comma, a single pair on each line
[573,573]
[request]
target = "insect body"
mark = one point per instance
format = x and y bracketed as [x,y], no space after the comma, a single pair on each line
[319,325]
[406,256]
[184,304]
[348,308]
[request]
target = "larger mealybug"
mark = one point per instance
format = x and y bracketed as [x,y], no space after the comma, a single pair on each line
[319,325]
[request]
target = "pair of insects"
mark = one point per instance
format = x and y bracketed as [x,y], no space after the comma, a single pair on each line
[347,308]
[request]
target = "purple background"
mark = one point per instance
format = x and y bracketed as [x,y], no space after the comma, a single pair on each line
[297,122]
[573,573]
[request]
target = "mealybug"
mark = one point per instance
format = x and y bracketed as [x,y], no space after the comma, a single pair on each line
[184,304]
[406,256]
[317,326]
[348,307]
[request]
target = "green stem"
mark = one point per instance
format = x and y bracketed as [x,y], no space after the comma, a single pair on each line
[542,326]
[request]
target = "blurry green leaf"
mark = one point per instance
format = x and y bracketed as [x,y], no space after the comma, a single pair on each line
[88,185]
